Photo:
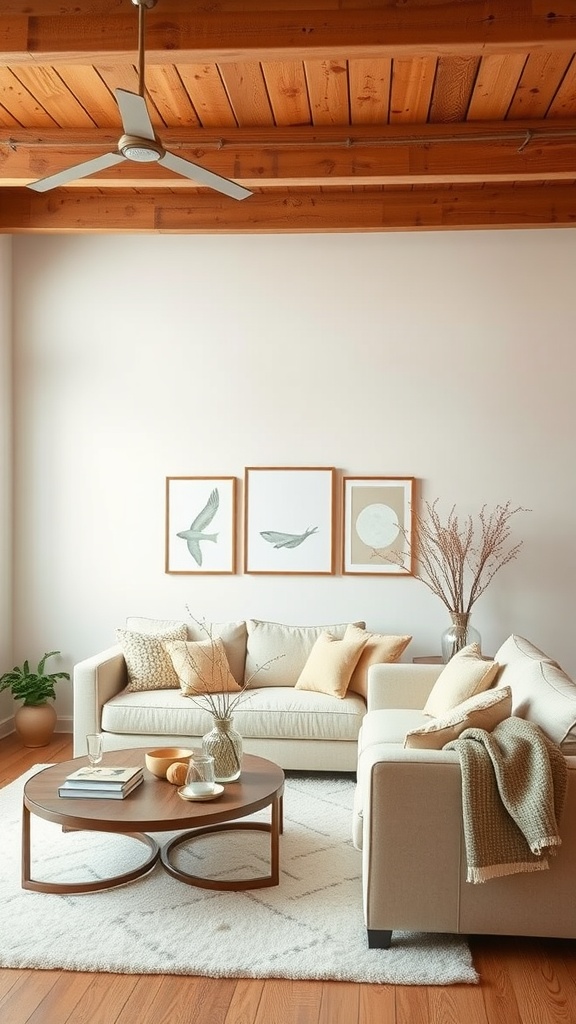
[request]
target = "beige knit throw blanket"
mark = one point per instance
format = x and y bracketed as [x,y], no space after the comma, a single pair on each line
[513,787]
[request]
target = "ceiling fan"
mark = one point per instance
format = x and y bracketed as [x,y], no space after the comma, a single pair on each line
[139,142]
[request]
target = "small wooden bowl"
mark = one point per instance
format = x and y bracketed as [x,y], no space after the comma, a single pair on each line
[158,761]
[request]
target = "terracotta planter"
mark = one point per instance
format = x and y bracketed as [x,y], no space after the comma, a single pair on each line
[35,724]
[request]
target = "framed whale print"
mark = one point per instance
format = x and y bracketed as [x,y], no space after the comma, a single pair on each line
[200,525]
[377,531]
[289,520]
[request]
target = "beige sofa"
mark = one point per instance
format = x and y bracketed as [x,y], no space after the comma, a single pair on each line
[408,819]
[296,728]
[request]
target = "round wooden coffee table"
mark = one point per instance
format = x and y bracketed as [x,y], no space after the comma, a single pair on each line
[155,806]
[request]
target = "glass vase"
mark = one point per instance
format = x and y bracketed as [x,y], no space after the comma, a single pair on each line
[458,635]
[224,743]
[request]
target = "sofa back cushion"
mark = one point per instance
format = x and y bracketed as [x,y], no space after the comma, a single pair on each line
[541,691]
[276,654]
[232,634]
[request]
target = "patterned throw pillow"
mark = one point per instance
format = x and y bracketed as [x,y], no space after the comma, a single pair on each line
[148,663]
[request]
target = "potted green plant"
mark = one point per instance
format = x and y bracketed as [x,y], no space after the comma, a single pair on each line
[36,719]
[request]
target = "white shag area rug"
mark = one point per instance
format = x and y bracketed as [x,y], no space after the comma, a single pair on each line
[310,926]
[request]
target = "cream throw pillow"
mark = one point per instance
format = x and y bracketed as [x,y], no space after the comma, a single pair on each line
[378,648]
[484,711]
[330,665]
[148,663]
[465,674]
[201,666]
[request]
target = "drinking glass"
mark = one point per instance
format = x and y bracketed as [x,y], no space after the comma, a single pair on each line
[94,745]
[200,774]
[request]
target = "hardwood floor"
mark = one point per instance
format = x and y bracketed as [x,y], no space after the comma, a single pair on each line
[523,981]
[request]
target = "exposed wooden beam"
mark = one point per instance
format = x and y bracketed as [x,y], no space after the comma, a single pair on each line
[177,33]
[22,211]
[528,151]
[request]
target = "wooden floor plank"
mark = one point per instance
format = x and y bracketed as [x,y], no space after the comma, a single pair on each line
[59,1003]
[245,1001]
[290,1002]
[377,1003]
[26,996]
[104,999]
[340,1002]
[491,962]
[538,989]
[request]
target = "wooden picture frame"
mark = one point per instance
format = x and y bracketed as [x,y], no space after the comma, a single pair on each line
[377,526]
[289,520]
[200,525]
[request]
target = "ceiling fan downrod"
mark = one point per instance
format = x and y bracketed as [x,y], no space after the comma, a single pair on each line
[143,6]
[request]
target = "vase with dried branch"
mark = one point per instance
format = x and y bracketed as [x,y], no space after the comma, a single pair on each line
[205,678]
[457,558]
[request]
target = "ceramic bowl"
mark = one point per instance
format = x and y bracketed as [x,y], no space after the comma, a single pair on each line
[158,761]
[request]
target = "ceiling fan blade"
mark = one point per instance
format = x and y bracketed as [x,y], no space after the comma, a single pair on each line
[99,163]
[204,177]
[134,114]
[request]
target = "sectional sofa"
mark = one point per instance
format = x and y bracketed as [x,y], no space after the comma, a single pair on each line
[408,815]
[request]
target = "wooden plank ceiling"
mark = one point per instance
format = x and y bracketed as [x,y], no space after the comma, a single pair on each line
[340,115]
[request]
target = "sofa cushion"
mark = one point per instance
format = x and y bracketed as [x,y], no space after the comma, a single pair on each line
[466,674]
[201,666]
[389,725]
[483,711]
[233,636]
[330,664]
[378,649]
[541,691]
[148,663]
[276,654]
[267,713]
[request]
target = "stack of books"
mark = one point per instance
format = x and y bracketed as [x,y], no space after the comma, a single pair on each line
[108,783]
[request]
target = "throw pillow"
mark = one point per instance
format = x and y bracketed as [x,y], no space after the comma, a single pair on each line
[233,636]
[378,648]
[148,663]
[201,666]
[465,674]
[330,665]
[287,646]
[541,691]
[483,711]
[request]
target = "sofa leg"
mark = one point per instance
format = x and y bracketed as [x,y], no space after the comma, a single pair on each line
[378,939]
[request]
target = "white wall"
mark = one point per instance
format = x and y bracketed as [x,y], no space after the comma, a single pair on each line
[447,357]
[6,701]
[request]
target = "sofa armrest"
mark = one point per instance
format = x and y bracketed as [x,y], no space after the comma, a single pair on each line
[96,680]
[400,685]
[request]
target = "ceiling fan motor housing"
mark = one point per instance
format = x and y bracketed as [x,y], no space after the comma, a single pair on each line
[139,150]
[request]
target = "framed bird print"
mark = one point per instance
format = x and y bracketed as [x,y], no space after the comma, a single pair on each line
[289,520]
[200,524]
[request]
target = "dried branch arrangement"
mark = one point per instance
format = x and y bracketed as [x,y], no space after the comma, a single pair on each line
[457,559]
[212,670]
